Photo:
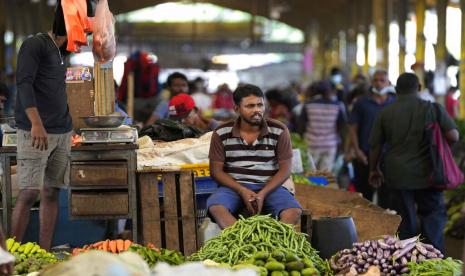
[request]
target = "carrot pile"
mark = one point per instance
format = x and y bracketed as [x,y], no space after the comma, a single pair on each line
[113,246]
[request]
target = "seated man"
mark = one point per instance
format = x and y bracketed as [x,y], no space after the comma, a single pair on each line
[182,108]
[251,158]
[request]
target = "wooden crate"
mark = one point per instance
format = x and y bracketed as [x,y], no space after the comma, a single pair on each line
[99,203]
[370,220]
[171,221]
[99,174]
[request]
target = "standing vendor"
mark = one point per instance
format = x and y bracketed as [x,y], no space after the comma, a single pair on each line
[251,158]
[44,128]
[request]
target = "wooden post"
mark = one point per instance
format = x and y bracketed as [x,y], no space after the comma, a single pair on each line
[462,64]
[130,96]
[401,20]
[420,8]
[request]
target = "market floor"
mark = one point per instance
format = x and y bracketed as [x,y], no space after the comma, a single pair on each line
[454,247]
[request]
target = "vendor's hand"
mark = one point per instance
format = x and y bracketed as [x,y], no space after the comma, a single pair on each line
[361,156]
[6,269]
[39,137]
[248,197]
[259,199]
[376,179]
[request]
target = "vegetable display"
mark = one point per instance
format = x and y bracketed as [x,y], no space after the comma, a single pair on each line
[112,246]
[437,267]
[280,263]
[299,143]
[300,179]
[154,255]
[455,226]
[260,233]
[390,254]
[30,257]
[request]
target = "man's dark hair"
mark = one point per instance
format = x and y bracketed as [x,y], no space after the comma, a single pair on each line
[176,75]
[59,27]
[245,91]
[407,83]
[335,71]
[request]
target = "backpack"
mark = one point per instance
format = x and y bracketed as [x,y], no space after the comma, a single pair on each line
[445,173]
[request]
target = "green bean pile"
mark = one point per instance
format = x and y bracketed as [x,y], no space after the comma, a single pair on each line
[242,240]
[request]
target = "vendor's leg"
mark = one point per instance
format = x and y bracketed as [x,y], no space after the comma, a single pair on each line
[433,216]
[48,215]
[222,205]
[283,205]
[290,216]
[361,172]
[56,176]
[20,217]
[327,159]
[403,203]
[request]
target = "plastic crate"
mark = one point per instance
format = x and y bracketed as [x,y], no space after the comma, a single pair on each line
[319,180]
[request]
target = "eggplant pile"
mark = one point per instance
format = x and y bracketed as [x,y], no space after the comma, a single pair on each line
[390,254]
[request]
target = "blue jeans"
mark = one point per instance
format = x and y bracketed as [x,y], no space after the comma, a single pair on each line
[427,207]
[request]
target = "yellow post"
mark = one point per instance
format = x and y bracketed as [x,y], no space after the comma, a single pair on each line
[402,19]
[2,35]
[462,64]
[379,20]
[441,51]
[420,49]
[367,14]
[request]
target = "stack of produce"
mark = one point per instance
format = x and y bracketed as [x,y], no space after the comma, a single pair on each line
[390,254]
[299,143]
[280,263]
[300,179]
[30,257]
[455,199]
[447,266]
[112,246]
[246,237]
[154,255]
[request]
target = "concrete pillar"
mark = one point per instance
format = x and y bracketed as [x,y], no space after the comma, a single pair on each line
[379,20]
[367,16]
[3,20]
[462,64]
[441,51]
[420,8]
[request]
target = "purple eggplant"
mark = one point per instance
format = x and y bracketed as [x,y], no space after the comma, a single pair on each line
[405,270]
[357,244]
[361,261]
[386,254]
[370,260]
[363,248]
[375,262]
[414,259]
[365,255]
[379,253]
[404,243]
[408,255]
[393,272]
[385,270]
[421,258]
[431,255]
[383,244]
[383,261]
[404,261]
[401,252]
[421,249]
[374,244]
[390,240]
[370,251]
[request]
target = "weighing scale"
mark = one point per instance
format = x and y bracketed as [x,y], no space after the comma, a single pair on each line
[109,135]
[9,139]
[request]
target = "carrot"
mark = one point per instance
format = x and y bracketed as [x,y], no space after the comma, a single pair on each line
[97,244]
[76,251]
[127,244]
[112,245]
[120,245]
[105,245]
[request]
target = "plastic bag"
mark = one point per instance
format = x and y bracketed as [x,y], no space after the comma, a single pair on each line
[77,23]
[104,43]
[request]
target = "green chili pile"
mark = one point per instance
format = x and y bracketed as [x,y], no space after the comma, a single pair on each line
[259,233]
[436,267]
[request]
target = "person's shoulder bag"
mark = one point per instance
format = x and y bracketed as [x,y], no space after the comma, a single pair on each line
[445,173]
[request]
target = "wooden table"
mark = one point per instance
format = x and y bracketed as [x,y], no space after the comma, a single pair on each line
[169,222]
[103,183]
[6,156]
[80,154]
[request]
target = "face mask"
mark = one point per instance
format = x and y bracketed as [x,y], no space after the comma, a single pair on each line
[336,79]
[384,91]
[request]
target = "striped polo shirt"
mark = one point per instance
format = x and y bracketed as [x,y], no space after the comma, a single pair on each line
[322,118]
[252,163]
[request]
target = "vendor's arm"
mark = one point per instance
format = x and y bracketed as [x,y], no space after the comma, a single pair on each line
[27,66]
[217,157]
[354,122]
[377,139]
[284,157]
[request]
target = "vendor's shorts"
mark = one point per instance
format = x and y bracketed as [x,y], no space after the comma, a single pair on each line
[277,201]
[49,168]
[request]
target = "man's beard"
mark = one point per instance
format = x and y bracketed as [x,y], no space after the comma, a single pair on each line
[254,122]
